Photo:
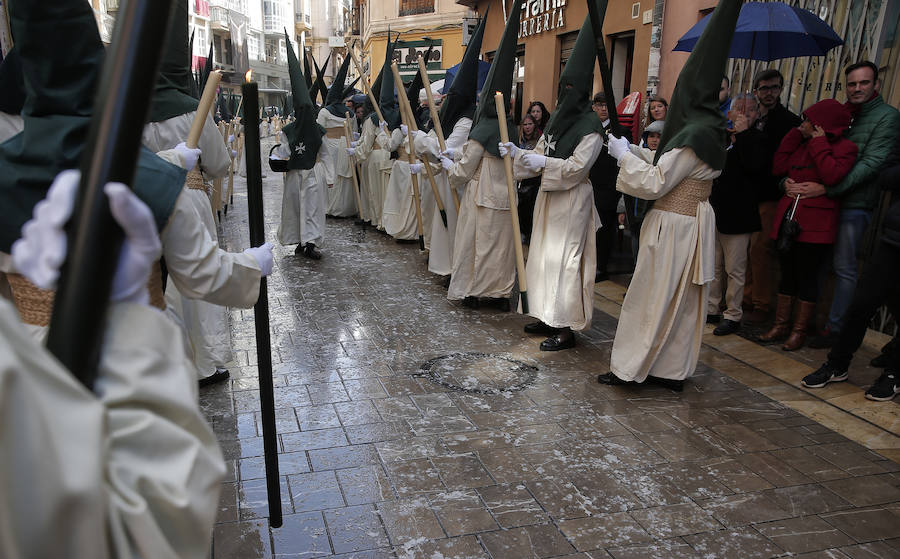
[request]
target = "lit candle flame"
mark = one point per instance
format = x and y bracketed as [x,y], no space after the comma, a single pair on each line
[248,76]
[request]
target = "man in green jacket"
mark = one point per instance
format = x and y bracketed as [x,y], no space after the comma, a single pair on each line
[874,130]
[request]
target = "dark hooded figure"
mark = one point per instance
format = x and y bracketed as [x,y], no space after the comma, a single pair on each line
[331,117]
[307,180]
[663,316]
[484,260]
[563,252]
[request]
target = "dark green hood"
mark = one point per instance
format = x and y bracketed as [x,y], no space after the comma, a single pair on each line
[12,84]
[173,86]
[485,129]
[207,70]
[318,87]
[304,134]
[415,86]
[334,101]
[307,71]
[376,86]
[462,93]
[573,118]
[387,102]
[62,55]
[694,119]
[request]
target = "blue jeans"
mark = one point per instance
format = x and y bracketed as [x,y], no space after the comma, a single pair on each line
[852,227]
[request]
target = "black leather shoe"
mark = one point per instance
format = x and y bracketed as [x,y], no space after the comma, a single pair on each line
[671,384]
[471,302]
[727,327]
[299,250]
[564,340]
[613,380]
[713,318]
[499,303]
[312,252]
[218,376]
[540,328]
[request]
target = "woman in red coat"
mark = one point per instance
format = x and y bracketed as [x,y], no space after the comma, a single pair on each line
[811,155]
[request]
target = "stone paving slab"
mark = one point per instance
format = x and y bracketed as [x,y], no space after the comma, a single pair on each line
[508,452]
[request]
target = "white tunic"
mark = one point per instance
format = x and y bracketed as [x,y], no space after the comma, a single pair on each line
[484,258]
[661,326]
[131,471]
[304,199]
[440,249]
[341,197]
[399,211]
[372,158]
[10,125]
[562,256]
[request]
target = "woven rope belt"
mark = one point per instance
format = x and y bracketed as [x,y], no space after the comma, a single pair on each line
[35,305]
[194,181]
[402,154]
[334,133]
[683,199]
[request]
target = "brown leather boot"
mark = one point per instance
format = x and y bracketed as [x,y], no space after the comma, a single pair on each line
[782,326]
[805,315]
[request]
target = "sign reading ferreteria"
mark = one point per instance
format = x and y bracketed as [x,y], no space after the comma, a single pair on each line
[542,15]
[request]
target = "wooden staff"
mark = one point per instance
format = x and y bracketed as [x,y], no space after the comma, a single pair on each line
[206,102]
[411,127]
[365,82]
[234,161]
[410,157]
[353,167]
[435,119]
[513,206]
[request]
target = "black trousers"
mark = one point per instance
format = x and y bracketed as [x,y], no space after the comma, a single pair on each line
[800,270]
[878,285]
[606,238]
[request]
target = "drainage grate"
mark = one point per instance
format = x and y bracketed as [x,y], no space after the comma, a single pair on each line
[479,373]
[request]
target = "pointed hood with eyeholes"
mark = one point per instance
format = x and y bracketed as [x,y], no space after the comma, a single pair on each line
[334,101]
[12,84]
[376,85]
[387,101]
[486,129]
[573,118]
[304,134]
[415,86]
[307,71]
[318,87]
[462,93]
[172,96]
[62,55]
[694,119]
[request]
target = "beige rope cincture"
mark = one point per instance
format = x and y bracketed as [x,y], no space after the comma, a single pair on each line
[35,305]
[194,181]
[335,133]
[402,153]
[683,199]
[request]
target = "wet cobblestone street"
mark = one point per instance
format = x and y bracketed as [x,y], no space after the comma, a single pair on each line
[410,427]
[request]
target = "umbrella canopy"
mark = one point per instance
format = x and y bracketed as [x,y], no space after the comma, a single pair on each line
[483,68]
[769,31]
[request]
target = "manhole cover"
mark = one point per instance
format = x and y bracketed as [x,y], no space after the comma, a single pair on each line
[481,373]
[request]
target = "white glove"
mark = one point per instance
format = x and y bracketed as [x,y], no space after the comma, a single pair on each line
[188,156]
[355,137]
[418,136]
[263,256]
[534,161]
[446,163]
[415,168]
[230,138]
[42,249]
[449,152]
[351,151]
[233,154]
[618,147]
[404,129]
[354,143]
[382,125]
[509,148]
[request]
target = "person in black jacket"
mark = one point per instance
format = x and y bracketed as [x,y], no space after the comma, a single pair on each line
[878,285]
[775,122]
[734,199]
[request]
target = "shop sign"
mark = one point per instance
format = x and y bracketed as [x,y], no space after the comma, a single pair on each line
[539,16]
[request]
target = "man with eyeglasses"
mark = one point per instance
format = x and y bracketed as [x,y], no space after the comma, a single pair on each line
[775,121]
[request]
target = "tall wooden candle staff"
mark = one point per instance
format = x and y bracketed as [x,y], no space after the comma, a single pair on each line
[513,206]
[347,135]
[365,83]
[410,157]
[435,119]
[250,91]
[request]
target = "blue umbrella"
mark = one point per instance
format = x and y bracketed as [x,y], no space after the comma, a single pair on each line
[772,30]
[483,68]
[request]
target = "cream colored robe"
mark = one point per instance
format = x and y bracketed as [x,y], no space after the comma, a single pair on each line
[341,197]
[562,256]
[440,249]
[399,211]
[484,257]
[372,159]
[133,471]
[661,326]
[304,198]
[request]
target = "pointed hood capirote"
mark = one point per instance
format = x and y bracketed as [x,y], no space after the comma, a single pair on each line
[318,87]
[172,96]
[486,129]
[304,134]
[387,102]
[62,55]
[376,85]
[307,71]
[334,101]
[12,84]
[573,118]
[463,91]
[694,119]
[415,86]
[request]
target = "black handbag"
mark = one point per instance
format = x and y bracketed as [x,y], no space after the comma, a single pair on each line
[789,230]
[277,165]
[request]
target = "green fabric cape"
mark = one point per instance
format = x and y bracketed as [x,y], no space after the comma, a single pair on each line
[304,134]
[573,118]
[462,92]
[486,128]
[61,55]
[172,96]
[694,119]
